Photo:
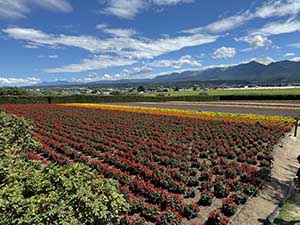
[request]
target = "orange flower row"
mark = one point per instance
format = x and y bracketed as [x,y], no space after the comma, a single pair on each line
[228,117]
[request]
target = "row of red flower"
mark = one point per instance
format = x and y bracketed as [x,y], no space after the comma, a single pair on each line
[159,161]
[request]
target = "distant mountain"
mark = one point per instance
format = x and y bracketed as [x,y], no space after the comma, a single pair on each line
[281,71]
[58,83]
[123,81]
[252,71]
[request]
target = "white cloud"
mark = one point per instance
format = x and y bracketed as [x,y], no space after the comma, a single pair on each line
[222,25]
[92,77]
[266,60]
[37,37]
[259,38]
[49,56]
[124,9]
[137,71]
[95,63]
[257,41]
[101,26]
[224,53]
[278,8]
[182,61]
[10,81]
[124,46]
[127,49]
[53,56]
[127,73]
[289,54]
[296,59]
[170,2]
[19,8]
[294,45]
[130,8]
[59,5]
[30,46]
[276,28]
[273,8]
[116,32]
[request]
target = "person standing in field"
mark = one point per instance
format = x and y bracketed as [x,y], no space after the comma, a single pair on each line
[297,179]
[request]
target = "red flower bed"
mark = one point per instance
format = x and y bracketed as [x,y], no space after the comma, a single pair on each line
[168,167]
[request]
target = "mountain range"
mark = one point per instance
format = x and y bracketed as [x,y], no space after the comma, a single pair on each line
[281,71]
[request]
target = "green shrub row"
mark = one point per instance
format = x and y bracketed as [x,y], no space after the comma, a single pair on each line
[34,193]
[125,98]
[99,99]
[259,97]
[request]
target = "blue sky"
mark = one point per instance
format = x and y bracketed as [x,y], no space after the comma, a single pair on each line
[84,41]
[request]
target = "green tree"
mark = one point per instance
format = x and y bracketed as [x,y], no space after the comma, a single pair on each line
[140,89]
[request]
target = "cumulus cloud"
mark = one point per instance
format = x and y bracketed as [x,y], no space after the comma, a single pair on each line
[19,8]
[11,81]
[224,53]
[182,61]
[259,37]
[130,8]
[257,41]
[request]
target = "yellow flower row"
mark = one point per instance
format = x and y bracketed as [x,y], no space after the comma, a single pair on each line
[229,117]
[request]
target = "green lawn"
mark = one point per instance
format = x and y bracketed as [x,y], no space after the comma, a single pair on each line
[213,92]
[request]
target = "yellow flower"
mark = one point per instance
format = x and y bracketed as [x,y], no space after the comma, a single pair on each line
[227,117]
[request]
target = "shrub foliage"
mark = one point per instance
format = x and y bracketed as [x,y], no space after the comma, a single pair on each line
[36,193]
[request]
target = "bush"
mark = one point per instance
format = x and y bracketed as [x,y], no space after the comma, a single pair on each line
[239,198]
[221,190]
[33,193]
[229,207]
[98,99]
[190,211]
[206,198]
[132,220]
[150,212]
[169,218]
[216,218]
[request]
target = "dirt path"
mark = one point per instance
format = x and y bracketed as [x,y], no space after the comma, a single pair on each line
[285,167]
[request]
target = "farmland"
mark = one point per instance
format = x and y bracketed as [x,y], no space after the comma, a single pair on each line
[269,109]
[172,167]
[242,91]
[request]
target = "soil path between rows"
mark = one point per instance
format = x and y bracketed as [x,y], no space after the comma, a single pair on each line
[285,167]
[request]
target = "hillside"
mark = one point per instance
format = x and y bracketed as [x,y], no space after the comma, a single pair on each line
[252,71]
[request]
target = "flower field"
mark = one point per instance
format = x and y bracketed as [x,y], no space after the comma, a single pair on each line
[269,109]
[173,166]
